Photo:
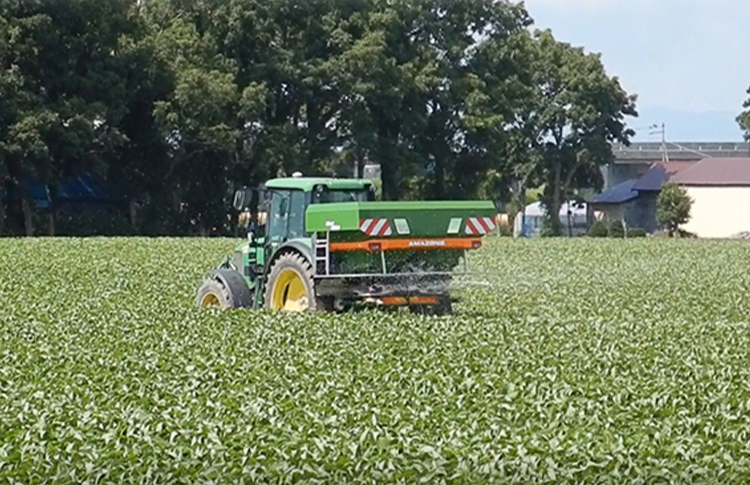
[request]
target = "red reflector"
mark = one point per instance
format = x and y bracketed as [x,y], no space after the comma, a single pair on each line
[374,246]
[423,300]
[393,300]
[476,244]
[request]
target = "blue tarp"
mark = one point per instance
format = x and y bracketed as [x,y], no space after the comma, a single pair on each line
[617,194]
[84,188]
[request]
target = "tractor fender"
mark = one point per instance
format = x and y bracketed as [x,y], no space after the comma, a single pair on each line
[235,283]
[295,246]
[288,247]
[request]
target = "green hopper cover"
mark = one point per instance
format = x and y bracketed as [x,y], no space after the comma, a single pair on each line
[363,220]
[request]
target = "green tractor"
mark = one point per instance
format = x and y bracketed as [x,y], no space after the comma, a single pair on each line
[326,244]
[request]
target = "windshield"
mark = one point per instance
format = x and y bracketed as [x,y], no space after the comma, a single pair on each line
[323,195]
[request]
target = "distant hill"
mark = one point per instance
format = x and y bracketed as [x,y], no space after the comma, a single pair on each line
[685,126]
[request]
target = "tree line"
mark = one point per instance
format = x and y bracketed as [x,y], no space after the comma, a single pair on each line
[176,103]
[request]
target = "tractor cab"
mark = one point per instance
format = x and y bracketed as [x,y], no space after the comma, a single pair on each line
[281,203]
[251,204]
[274,215]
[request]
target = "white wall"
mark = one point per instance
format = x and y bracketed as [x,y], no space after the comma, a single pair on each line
[613,212]
[718,212]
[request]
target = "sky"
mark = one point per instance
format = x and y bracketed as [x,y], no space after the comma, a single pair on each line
[685,59]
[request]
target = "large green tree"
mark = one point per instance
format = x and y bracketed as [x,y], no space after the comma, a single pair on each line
[456,158]
[500,110]
[411,77]
[578,110]
[196,120]
[289,72]
[62,91]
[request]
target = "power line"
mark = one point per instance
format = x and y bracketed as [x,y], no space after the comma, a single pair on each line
[705,155]
[663,132]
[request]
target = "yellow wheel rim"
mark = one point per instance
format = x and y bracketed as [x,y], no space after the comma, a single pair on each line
[289,292]
[210,300]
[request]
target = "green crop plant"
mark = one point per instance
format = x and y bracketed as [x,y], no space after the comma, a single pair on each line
[565,361]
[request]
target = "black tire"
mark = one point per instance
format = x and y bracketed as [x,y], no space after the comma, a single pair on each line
[212,293]
[301,266]
[240,295]
[227,288]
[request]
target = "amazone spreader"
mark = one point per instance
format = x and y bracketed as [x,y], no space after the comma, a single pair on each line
[326,244]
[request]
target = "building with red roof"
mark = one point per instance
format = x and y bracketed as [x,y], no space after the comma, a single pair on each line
[720,189]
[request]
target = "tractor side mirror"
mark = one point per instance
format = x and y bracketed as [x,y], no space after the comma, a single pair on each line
[239,199]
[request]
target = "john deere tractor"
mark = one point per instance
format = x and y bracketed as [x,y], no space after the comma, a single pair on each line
[326,244]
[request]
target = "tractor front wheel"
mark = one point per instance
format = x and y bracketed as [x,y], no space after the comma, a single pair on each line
[290,285]
[224,288]
[213,294]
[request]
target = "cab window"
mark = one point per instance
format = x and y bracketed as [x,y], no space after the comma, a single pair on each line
[277,217]
[286,215]
[323,195]
[297,214]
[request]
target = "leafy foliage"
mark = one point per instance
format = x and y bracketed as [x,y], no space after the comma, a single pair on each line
[744,118]
[109,374]
[178,103]
[614,229]
[673,207]
[598,229]
[575,112]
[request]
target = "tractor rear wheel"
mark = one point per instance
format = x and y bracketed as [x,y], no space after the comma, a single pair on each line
[290,286]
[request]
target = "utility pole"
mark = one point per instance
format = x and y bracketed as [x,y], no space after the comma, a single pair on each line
[661,130]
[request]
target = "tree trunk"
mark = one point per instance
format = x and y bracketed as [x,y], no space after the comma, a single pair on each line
[554,211]
[51,213]
[51,222]
[360,164]
[523,209]
[561,188]
[133,211]
[2,213]
[571,174]
[389,175]
[28,215]
[389,184]
[388,130]
[439,178]
[569,180]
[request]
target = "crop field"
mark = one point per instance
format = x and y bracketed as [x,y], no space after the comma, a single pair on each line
[568,361]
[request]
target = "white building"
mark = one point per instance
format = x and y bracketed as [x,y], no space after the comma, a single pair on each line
[720,189]
[574,223]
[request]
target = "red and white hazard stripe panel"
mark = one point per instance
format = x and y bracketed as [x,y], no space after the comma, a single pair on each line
[479,225]
[375,227]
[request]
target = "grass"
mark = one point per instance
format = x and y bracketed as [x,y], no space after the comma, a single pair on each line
[569,361]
